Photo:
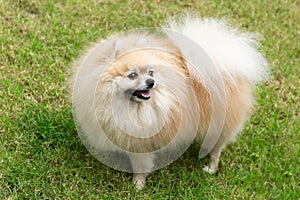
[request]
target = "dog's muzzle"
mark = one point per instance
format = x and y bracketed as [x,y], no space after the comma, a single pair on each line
[143,93]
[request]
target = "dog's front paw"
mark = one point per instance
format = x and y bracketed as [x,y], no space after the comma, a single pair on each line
[210,170]
[139,184]
[139,181]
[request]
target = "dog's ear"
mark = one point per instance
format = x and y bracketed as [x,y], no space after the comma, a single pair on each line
[118,45]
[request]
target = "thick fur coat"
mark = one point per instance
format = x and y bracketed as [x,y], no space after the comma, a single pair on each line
[149,95]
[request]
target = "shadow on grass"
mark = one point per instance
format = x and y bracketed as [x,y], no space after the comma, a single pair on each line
[50,159]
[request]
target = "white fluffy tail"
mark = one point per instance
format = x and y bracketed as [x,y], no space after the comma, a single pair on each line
[232,51]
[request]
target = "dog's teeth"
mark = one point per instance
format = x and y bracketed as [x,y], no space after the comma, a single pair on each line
[144,93]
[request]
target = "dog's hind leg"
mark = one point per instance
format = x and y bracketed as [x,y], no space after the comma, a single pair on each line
[214,155]
[225,138]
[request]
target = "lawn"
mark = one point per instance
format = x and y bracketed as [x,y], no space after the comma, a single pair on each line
[41,156]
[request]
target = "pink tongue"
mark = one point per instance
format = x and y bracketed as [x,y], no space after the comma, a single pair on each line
[145,93]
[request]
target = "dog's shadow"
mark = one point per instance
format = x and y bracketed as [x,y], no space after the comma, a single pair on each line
[56,134]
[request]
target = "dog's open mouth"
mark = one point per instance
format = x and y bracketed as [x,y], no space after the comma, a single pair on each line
[138,95]
[141,94]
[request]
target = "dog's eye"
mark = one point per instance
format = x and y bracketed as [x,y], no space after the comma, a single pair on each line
[150,73]
[133,75]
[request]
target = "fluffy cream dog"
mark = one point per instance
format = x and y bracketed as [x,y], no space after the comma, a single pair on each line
[149,95]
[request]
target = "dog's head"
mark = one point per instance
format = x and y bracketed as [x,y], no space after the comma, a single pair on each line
[140,73]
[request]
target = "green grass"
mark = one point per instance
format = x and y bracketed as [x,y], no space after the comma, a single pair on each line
[41,156]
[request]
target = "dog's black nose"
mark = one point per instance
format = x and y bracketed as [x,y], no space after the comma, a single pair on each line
[150,83]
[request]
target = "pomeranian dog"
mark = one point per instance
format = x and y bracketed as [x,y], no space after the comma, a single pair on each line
[149,94]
